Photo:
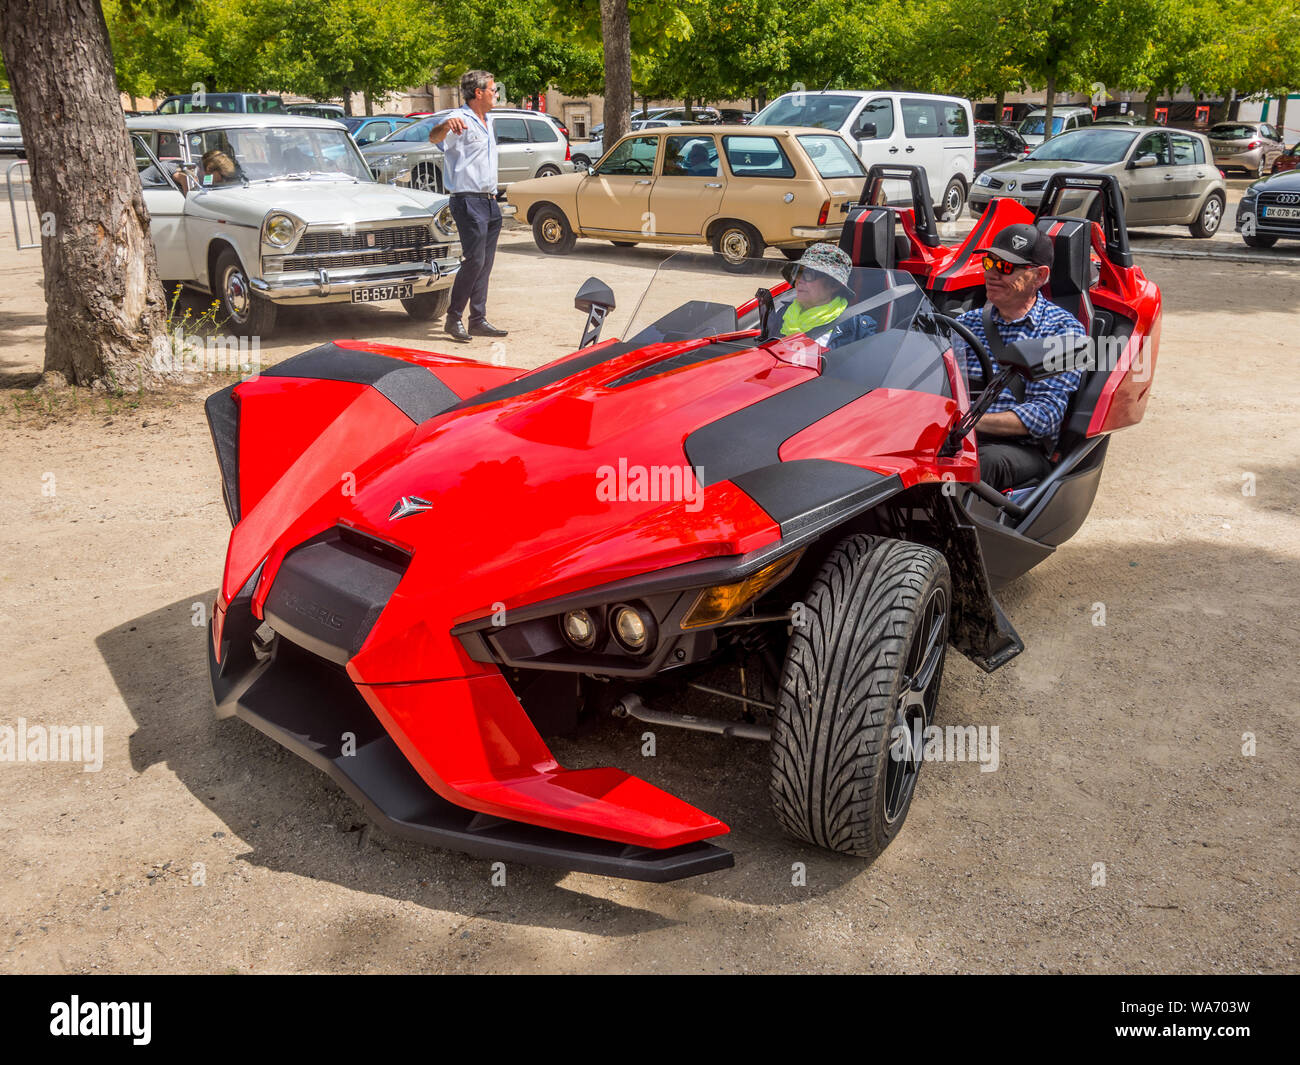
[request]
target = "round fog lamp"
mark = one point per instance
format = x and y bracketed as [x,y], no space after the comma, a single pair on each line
[579,629]
[631,629]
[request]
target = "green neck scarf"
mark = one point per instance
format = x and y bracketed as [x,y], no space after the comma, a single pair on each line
[799,319]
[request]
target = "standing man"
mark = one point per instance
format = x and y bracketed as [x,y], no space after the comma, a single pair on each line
[469,174]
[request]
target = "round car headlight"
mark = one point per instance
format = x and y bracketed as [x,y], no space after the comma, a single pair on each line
[579,629]
[280,229]
[445,222]
[984,179]
[633,628]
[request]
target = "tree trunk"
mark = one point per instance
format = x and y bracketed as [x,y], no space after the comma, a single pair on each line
[347,101]
[1051,106]
[1153,98]
[370,102]
[104,303]
[617,33]
[998,106]
[1280,121]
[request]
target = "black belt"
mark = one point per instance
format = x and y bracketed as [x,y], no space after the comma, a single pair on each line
[485,195]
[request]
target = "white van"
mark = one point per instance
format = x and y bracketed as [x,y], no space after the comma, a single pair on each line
[935,132]
[1064,119]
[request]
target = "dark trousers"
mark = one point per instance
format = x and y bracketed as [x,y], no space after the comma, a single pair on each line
[478,221]
[1005,465]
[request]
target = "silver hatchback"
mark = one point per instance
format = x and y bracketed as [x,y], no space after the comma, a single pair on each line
[1249,146]
[1166,176]
[528,146]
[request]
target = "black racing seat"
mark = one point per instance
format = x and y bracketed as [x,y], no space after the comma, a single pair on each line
[870,236]
[1071,277]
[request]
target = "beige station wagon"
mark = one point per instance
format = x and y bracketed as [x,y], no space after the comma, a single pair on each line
[734,187]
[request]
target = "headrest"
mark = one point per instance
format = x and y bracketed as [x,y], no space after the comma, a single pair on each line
[1071,255]
[868,237]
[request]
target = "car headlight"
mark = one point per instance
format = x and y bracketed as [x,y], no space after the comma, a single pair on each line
[279,230]
[580,629]
[445,222]
[984,179]
[633,628]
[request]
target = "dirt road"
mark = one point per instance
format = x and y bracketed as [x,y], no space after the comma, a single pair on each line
[1123,830]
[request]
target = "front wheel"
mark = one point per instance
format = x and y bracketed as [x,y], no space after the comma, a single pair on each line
[954,199]
[581,162]
[552,232]
[426,178]
[428,305]
[858,690]
[738,245]
[1211,217]
[245,313]
[1254,240]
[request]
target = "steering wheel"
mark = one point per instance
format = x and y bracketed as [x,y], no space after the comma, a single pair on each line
[639,166]
[981,352]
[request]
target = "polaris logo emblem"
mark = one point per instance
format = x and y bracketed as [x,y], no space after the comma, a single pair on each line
[408,505]
[1019,243]
[1288,197]
[314,611]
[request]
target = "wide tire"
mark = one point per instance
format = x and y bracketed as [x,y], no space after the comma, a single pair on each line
[738,245]
[1211,217]
[1256,241]
[428,305]
[244,313]
[552,232]
[866,657]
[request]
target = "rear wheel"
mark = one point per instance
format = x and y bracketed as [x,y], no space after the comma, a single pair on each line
[547,170]
[738,245]
[428,305]
[246,314]
[859,687]
[954,199]
[793,254]
[1211,217]
[552,232]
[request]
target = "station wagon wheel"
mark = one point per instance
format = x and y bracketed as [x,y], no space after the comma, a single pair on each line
[245,313]
[552,232]
[1211,217]
[426,178]
[738,245]
[793,254]
[954,199]
[548,170]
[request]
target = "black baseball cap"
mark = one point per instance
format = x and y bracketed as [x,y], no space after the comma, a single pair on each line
[1023,244]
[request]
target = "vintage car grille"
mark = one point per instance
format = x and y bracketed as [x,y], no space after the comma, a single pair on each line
[386,257]
[1279,199]
[334,242]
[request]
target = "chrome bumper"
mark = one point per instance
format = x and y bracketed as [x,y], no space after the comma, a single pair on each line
[337,286]
[817,232]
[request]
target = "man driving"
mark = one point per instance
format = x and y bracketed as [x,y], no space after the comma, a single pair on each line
[1017,434]
[822,295]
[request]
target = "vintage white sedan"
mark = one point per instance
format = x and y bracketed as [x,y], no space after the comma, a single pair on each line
[265,210]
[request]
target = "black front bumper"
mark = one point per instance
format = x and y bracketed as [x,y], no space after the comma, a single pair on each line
[308,706]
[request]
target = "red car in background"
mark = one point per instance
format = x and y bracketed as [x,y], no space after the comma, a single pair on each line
[1288,160]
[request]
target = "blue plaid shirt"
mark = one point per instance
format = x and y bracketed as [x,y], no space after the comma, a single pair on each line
[1043,407]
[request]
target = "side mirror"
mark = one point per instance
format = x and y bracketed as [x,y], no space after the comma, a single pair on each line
[1144,161]
[1039,358]
[597,300]
[867,131]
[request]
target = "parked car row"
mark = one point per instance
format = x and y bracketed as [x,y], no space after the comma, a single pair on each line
[11,133]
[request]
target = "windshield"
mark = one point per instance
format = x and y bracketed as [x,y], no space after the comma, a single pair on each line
[875,330]
[1231,131]
[1035,124]
[270,153]
[1087,146]
[827,110]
